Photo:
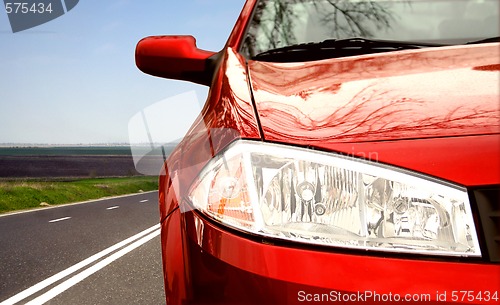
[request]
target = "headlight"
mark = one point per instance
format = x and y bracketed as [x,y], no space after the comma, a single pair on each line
[313,197]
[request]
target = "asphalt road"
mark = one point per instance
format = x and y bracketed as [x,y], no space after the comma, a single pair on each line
[99,252]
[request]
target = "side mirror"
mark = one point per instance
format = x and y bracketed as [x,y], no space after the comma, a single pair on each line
[175,57]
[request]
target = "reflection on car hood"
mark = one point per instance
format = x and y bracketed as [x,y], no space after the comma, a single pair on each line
[439,92]
[444,102]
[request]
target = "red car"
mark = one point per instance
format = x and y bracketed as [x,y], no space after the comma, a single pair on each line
[348,151]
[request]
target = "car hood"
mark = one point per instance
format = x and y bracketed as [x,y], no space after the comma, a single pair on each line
[435,99]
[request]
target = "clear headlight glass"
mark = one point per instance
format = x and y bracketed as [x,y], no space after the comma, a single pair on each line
[321,198]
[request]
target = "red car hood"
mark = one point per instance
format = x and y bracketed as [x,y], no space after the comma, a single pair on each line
[434,110]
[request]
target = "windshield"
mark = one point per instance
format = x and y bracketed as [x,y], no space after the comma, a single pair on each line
[281,23]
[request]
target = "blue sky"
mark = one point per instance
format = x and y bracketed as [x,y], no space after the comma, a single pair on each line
[73,80]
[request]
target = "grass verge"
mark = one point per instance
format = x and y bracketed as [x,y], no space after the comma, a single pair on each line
[26,194]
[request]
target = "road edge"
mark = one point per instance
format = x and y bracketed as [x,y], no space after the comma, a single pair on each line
[71,203]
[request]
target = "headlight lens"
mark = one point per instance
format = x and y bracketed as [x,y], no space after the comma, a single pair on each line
[321,198]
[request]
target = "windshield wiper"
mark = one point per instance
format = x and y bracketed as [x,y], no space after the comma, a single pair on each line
[491,39]
[344,47]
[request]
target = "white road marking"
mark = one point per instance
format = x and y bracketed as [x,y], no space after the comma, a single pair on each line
[57,277]
[59,219]
[112,208]
[142,201]
[52,293]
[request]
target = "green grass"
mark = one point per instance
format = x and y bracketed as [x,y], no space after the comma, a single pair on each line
[26,194]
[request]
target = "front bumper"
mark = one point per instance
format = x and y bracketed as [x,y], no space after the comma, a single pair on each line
[206,264]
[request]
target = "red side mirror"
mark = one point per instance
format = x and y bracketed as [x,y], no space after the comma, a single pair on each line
[175,57]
